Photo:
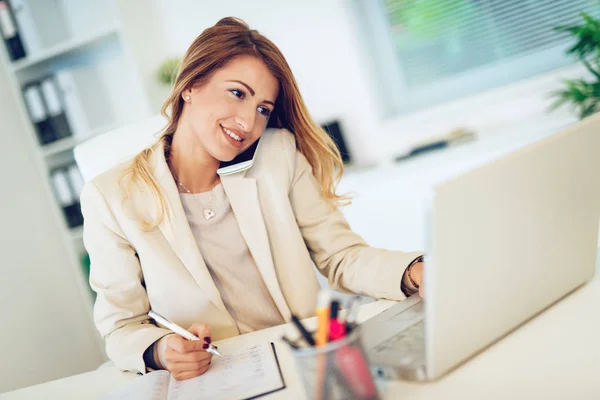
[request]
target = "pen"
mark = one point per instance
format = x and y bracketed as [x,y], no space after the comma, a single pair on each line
[337,330]
[352,313]
[212,349]
[323,390]
[323,304]
[305,334]
[290,343]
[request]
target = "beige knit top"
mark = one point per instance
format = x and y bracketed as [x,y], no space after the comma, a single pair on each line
[229,261]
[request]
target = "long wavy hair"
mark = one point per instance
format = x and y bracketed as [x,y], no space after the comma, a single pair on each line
[211,50]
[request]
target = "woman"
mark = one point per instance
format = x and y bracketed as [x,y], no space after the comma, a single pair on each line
[225,255]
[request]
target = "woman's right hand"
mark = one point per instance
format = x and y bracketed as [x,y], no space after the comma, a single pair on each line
[184,358]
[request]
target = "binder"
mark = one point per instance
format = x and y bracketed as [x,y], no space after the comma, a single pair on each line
[87,107]
[62,190]
[66,198]
[27,27]
[75,179]
[10,33]
[73,108]
[38,113]
[56,114]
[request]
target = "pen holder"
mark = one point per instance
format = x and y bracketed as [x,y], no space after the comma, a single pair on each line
[338,370]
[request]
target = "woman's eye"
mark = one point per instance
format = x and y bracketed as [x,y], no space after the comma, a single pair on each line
[264,111]
[238,93]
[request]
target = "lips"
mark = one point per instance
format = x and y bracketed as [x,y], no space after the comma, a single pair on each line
[235,143]
[235,132]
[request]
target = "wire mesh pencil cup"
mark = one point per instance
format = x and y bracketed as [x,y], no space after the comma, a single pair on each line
[338,370]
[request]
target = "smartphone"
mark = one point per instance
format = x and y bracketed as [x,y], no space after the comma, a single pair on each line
[241,162]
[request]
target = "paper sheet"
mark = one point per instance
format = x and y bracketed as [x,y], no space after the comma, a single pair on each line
[152,386]
[241,374]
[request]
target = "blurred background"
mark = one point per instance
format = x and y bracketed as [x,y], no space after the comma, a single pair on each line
[413,91]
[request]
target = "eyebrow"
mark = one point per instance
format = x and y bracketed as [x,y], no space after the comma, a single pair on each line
[252,91]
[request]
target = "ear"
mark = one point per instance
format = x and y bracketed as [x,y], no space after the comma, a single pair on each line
[186,95]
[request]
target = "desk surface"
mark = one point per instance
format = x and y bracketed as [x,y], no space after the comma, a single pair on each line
[554,356]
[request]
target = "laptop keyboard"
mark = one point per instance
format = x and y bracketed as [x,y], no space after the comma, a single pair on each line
[408,347]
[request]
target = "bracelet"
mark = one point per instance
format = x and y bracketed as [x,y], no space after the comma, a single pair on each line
[410,279]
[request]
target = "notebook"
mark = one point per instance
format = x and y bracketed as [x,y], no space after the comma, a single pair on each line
[245,373]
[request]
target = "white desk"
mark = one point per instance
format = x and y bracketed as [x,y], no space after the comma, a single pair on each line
[556,356]
[391,201]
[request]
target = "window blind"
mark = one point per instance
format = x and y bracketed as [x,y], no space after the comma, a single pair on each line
[445,49]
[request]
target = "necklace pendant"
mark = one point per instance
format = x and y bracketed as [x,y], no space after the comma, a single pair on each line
[208,213]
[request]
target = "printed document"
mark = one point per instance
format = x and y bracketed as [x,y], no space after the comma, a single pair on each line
[243,374]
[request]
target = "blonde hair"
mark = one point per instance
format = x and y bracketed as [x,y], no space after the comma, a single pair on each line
[211,50]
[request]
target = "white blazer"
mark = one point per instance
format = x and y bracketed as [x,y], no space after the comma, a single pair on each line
[284,220]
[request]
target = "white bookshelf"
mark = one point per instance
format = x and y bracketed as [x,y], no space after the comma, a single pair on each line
[64,49]
[91,40]
[76,233]
[69,143]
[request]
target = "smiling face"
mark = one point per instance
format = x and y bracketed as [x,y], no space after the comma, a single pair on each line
[229,112]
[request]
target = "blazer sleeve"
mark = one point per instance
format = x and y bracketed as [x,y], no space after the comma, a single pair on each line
[121,307]
[340,254]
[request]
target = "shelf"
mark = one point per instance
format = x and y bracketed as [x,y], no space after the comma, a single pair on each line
[69,143]
[59,146]
[65,48]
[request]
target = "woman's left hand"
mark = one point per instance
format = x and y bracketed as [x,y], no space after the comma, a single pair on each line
[416,274]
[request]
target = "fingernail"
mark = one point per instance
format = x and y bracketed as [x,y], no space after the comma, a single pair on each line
[205,346]
[207,339]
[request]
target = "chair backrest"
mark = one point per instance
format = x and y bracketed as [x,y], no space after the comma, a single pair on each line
[107,150]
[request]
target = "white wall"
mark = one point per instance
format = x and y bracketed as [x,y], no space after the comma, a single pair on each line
[315,36]
[323,45]
[46,330]
[501,111]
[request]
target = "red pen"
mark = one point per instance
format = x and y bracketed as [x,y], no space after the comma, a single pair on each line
[337,329]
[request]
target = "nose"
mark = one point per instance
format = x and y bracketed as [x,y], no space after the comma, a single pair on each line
[245,119]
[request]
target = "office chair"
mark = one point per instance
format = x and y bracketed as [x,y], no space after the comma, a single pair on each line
[107,150]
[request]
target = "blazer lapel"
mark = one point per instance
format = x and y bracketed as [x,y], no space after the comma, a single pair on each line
[178,233]
[243,197]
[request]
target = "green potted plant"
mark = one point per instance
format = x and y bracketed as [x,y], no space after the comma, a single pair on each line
[167,71]
[584,95]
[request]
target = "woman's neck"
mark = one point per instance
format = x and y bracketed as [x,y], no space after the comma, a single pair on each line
[192,166]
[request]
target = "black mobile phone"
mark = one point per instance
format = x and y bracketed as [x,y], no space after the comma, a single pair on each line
[241,162]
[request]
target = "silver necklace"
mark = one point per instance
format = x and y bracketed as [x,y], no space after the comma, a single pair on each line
[208,211]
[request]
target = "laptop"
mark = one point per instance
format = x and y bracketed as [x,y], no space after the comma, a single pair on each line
[505,241]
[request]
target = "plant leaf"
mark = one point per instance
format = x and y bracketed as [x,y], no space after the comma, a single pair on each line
[588,109]
[586,34]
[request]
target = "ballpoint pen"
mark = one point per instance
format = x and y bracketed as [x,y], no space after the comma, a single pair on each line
[352,313]
[212,349]
[305,334]
[290,343]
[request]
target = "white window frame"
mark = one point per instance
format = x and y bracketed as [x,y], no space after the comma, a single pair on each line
[398,99]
